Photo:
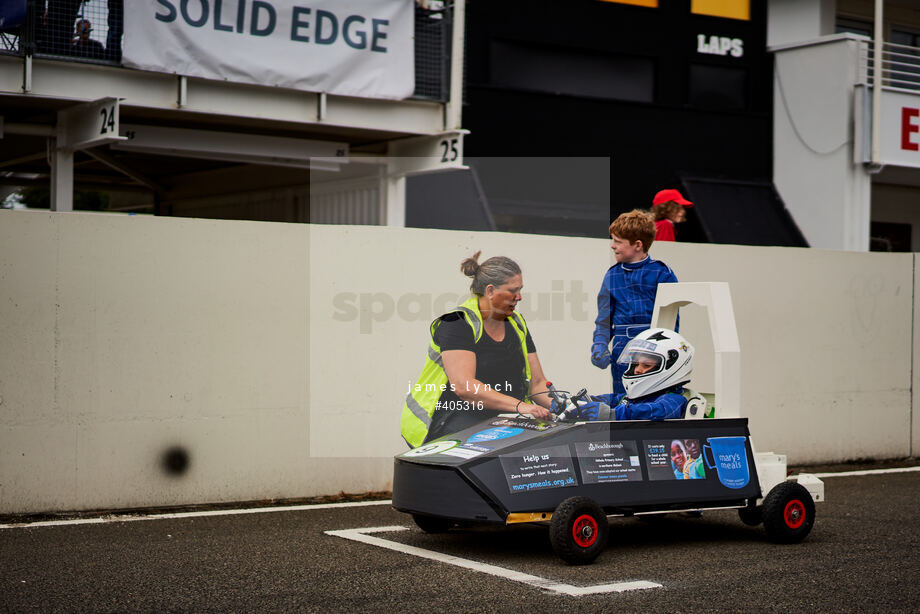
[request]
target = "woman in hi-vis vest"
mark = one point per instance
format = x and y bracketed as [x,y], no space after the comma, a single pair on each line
[481,360]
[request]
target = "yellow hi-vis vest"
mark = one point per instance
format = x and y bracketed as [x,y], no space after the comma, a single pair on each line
[421,400]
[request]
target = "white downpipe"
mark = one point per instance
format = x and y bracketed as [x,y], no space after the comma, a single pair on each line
[877,85]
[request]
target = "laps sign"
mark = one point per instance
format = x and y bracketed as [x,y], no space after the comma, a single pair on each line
[347,47]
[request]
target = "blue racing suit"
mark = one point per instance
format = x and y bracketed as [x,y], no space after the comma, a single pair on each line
[664,405]
[624,308]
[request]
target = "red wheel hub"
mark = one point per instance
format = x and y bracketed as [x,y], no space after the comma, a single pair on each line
[794,514]
[584,530]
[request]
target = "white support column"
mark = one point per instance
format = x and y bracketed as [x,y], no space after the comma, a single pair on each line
[395,194]
[454,106]
[182,94]
[27,75]
[61,177]
[423,154]
[81,126]
[814,121]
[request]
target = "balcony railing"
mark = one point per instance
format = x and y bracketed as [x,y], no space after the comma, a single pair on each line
[900,66]
[92,33]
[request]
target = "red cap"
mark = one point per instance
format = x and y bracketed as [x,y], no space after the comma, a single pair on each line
[666,195]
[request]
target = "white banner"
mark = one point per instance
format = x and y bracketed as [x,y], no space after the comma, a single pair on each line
[900,129]
[347,47]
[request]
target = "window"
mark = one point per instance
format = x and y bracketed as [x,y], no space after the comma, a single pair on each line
[718,87]
[889,237]
[854,26]
[903,37]
[904,56]
[572,72]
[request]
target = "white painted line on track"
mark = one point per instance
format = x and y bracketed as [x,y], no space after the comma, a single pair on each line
[361,535]
[866,472]
[227,512]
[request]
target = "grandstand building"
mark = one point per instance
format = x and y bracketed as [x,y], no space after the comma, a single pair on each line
[547,118]
[238,110]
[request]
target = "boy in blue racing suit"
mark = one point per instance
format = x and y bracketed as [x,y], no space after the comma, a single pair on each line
[627,295]
[657,364]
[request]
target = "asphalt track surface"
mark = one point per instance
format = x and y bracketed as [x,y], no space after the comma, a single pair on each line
[863,555]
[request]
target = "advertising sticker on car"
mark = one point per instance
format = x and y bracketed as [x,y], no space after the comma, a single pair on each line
[500,432]
[539,469]
[437,447]
[608,461]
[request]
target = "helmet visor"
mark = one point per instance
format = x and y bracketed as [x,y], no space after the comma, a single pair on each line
[641,362]
[634,346]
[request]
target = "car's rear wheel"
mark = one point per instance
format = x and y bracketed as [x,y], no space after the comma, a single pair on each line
[788,513]
[432,524]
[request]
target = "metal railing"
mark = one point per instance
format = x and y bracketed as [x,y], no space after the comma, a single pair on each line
[433,29]
[900,66]
[91,31]
[73,30]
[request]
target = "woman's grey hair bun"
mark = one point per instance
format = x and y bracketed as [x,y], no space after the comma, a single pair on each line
[495,271]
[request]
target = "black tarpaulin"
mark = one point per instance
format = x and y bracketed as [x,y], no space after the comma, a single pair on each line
[741,213]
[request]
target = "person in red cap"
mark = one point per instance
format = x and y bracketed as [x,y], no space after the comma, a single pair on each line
[668,209]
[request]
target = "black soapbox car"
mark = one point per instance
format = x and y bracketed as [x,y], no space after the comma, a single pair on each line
[573,475]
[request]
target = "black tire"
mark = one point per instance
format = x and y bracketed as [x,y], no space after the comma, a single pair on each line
[432,524]
[751,516]
[578,530]
[788,513]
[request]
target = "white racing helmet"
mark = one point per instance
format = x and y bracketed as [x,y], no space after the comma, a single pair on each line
[658,358]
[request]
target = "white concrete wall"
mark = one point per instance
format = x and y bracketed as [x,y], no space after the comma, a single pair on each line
[794,21]
[828,194]
[915,368]
[278,355]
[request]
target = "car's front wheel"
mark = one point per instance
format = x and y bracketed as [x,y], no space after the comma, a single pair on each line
[578,530]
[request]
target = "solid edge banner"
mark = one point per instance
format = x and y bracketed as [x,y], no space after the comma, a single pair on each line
[344,47]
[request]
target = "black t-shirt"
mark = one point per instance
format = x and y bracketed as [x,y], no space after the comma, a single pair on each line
[499,364]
